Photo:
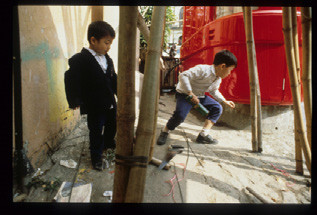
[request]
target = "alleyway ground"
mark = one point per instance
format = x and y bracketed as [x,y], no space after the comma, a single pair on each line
[220,176]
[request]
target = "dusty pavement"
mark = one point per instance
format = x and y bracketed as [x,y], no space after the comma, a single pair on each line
[214,173]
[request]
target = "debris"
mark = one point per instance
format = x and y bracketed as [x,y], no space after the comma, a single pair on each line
[171,181]
[172,151]
[81,171]
[108,194]
[20,198]
[47,185]
[106,163]
[256,195]
[79,192]
[285,173]
[58,197]
[111,172]
[37,173]
[158,162]
[308,183]
[68,163]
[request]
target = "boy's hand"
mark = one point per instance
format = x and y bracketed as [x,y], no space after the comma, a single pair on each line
[229,103]
[195,100]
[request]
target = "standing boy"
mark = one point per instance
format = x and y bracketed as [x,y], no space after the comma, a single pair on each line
[95,84]
[195,82]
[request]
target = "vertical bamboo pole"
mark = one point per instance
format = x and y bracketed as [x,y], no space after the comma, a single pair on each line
[306,15]
[252,79]
[258,93]
[96,13]
[157,100]
[259,115]
[298,150]
[290,57]
[126,97]
[146,33]
[155,121]
[144,131]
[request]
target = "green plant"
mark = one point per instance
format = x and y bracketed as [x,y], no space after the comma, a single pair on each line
[146,12]
[47,185]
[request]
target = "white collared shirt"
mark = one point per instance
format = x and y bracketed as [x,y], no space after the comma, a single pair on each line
[200,79]
[101,59]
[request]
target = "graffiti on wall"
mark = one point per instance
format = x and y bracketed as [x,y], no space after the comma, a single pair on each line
[55,67]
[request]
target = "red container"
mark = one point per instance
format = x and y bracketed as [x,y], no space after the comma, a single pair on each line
[204,35]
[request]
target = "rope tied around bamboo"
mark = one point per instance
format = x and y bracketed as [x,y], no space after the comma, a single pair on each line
[140,161]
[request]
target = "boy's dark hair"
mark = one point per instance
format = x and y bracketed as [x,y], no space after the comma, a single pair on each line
[99,29]
[225,57]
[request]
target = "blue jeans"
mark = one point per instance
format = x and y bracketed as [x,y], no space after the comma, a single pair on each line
[183,108]
[99,141]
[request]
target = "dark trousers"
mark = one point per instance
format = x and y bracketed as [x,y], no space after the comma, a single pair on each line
[183,108]
[102,130]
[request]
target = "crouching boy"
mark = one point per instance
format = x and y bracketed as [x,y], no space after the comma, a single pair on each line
[196,81]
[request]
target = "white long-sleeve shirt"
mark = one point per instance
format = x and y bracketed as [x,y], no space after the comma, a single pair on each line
[200,79]
[101,59]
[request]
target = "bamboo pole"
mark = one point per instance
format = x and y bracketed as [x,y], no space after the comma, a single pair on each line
[154,126]
[144,131]
[259,116]
[290,57]
[155,120]
[157,101]
[258,95]
[298,150]
[306,15]
[146,33]
[126,97]
[96,13]
[252,79]
[257,195]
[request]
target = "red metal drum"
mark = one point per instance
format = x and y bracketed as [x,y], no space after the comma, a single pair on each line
[204,35]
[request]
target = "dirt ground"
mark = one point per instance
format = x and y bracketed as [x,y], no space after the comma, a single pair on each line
[228,172]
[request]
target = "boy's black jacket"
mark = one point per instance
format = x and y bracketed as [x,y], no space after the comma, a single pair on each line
[91,88]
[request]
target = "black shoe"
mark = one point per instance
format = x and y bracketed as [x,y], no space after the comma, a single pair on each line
[162,138]
[98,166]
[207,139]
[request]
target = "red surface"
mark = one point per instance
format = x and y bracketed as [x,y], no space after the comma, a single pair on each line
[203,36]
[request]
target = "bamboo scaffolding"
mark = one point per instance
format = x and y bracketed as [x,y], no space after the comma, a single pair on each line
[135,189]
[146,33]
[298,150]
[155,122]
[306,15]
[157,102]
[126,97]
[255,96]
[96,13]
[290,57]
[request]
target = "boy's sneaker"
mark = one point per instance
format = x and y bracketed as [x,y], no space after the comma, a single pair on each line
[207,139]
[162,138]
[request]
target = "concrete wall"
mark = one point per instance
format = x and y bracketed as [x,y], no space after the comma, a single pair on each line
[49,35]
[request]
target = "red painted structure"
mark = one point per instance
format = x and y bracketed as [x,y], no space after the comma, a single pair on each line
[204,35]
